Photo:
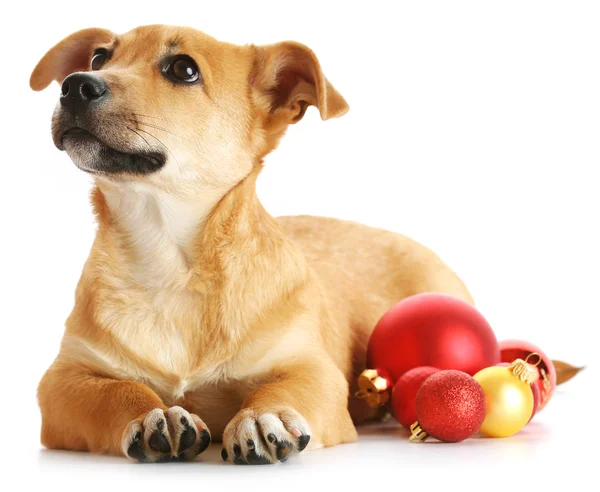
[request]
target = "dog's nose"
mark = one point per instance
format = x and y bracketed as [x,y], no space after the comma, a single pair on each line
[81,90]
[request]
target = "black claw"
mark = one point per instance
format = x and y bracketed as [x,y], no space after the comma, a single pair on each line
[137,437]
[271,437]
[250,444]
[283,450]
[204,442]
[224,454]
[303,442]
[136,450]
[160,424]
[184,421]
[187,439]
[237,451]
[158,442]
[255,459]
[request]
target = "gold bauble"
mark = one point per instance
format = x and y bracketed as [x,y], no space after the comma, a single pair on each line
[508,399]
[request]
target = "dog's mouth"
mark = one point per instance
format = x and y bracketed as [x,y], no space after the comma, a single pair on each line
[91,154]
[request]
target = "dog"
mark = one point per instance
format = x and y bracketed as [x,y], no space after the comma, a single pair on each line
[198,315]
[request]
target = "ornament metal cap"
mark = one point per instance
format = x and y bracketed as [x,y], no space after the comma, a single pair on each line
[523,370]
[373,388]
[417,433]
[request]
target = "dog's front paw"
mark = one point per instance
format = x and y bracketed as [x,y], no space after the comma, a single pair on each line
[262,436]
[158,437]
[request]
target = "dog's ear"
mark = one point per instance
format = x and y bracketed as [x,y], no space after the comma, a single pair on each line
[287,78]
[72,54]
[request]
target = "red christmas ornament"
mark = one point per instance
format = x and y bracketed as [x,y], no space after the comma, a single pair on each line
[537,397]
[450,407]
[405,391]
[427,329]
[520,349]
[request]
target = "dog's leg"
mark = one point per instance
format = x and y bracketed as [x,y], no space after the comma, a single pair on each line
[81,411]
[301,404]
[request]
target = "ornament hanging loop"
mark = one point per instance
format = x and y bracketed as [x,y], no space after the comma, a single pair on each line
[534,354]
[373,388]
[417,433]
[523,371]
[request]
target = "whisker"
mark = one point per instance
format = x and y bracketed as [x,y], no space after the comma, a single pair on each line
[148,116]
[160,141]
[147,143]
[128,113]
[161,129]
[137,122]
[134,113]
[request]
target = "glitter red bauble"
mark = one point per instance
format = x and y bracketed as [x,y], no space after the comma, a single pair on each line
[435,330]
[450,406]
[405,391]
[520,349]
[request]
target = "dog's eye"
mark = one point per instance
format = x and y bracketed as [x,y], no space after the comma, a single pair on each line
[182,68]
[99,59]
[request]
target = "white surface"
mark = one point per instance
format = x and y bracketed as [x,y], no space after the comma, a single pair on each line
[473,128]
[553,450]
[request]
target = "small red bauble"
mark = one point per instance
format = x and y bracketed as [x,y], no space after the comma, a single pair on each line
[432,329]
[405,391]
[536,400]
[520,349]
[450,407]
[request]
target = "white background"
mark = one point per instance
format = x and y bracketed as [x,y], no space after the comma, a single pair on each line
[474,128]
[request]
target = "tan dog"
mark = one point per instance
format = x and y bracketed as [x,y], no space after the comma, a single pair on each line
[196,309]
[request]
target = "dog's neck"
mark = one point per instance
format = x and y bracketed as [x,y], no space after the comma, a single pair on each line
[153,230]
[196,242]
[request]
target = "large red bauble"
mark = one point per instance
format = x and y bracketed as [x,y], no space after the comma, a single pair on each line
[432,329]
[405,391]
[520,349]
[450,406]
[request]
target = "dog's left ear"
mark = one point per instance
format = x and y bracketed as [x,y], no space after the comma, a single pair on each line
[287,78]
[72,54]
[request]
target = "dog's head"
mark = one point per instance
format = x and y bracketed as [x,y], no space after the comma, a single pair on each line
[176,107]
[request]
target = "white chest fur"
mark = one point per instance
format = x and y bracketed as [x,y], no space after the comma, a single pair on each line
[158,228]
